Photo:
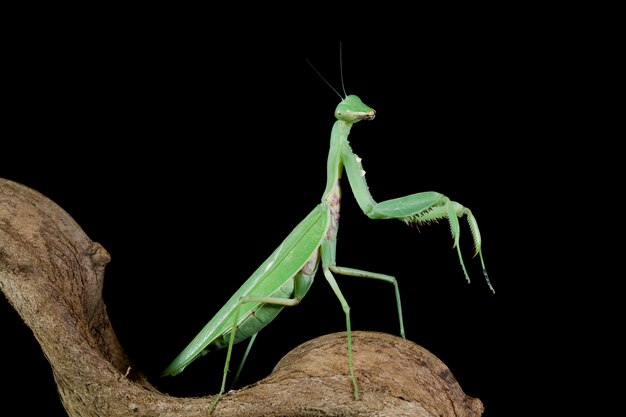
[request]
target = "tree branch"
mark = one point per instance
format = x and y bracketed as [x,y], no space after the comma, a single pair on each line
[52,274]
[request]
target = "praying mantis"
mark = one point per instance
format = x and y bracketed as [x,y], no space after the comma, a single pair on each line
[288,273]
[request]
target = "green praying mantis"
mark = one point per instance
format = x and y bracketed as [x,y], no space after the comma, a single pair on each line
[287,274]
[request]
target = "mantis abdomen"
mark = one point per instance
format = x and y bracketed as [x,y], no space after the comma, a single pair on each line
[258,315]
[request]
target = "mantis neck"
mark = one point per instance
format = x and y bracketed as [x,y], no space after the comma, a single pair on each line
[332,194]
[334,167]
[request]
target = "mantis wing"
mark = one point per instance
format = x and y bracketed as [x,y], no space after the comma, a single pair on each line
[281,266]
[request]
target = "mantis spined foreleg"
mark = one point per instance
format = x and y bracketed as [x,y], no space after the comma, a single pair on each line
[287,274]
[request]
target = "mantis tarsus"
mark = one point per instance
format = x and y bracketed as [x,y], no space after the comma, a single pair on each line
[287,274]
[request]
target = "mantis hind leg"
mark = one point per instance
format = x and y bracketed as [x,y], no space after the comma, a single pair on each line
[287,302]
[243,360]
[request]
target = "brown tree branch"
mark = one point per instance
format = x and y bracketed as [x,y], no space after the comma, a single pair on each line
[52,274]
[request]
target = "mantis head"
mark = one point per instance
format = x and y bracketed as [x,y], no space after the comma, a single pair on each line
[352,109]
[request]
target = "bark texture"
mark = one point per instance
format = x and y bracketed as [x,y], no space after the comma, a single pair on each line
[53,274]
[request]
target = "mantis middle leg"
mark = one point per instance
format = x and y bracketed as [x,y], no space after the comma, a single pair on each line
[328,255]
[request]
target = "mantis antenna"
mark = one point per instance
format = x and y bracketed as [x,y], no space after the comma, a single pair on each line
[341,70]
[325,80]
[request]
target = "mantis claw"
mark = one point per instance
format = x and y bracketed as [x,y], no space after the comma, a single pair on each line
[214,403]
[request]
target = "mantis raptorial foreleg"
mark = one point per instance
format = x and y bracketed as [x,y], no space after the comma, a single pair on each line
[421,207]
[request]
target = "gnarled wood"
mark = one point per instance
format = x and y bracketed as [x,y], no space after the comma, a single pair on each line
[52,274]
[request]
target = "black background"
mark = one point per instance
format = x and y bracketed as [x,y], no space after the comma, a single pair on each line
[190,157]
